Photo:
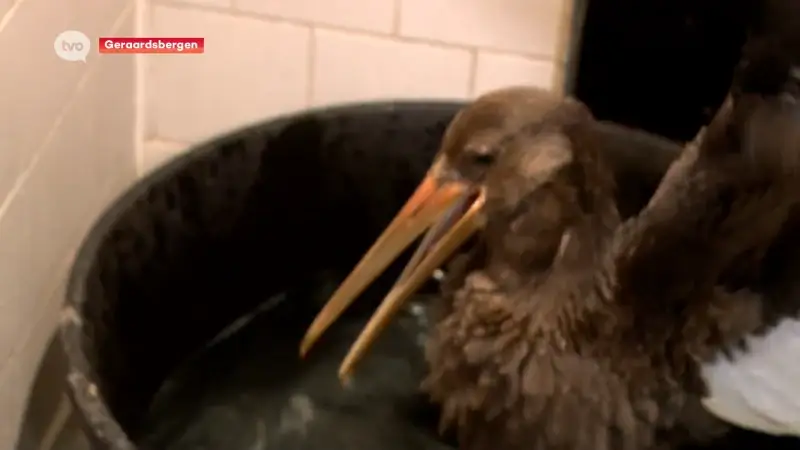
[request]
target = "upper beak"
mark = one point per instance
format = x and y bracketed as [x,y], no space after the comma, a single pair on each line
[448,210]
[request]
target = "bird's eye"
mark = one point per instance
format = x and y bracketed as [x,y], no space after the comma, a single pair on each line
[483,159]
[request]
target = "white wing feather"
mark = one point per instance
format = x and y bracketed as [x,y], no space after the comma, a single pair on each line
[759,388]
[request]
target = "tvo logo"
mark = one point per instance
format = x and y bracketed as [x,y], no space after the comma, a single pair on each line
[72,46]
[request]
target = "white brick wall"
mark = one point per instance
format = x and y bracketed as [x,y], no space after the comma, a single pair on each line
[69,136]
[66,146]
[266,57]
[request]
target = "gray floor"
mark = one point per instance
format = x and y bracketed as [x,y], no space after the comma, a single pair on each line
[42,414]
[46,395]
[71,437]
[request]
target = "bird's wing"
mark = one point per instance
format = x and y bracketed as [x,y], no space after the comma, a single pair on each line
[759,388]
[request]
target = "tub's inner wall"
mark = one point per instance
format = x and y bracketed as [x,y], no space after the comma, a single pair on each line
[215,235]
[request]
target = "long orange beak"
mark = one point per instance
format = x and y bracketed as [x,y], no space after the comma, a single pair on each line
[449,234]
[435,206]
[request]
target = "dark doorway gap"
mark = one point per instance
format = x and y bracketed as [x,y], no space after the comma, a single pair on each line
[660,65]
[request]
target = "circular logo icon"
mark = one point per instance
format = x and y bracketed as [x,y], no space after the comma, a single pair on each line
[72,45]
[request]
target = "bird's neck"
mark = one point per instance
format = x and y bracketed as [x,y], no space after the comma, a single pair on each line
[536,257]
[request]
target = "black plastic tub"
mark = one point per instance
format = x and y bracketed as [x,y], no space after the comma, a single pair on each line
[189,296]
[265,218]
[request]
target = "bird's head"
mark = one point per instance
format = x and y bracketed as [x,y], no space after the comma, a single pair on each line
[510,134]
[548,187]
[471,143]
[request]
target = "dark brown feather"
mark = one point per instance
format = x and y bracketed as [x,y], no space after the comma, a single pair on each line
[584,333]
[770,67]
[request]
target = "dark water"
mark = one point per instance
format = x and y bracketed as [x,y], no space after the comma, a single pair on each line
[250,390]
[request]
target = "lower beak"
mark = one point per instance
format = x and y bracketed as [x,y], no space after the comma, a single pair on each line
[460,222]
[434,204]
